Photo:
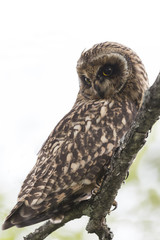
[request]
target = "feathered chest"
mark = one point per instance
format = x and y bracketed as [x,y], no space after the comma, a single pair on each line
[88,128]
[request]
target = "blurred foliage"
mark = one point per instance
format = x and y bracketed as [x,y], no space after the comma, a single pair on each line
[133,173]
[144,155]
[153,198]
[67,235]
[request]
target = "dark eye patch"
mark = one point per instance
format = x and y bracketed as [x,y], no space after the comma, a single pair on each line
[107,71]
[86,81]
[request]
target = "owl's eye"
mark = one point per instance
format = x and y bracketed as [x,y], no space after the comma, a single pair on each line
[107,71]
[86,81]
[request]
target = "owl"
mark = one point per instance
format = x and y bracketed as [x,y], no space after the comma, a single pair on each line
[75,157]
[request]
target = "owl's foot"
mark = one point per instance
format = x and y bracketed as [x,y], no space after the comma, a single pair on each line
[57,220]
[97,186]
[95,190]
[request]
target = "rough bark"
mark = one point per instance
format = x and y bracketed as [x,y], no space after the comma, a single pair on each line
[99,206]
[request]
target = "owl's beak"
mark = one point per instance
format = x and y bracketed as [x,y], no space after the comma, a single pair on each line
[98,90]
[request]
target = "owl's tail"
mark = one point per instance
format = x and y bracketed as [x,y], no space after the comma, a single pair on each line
[22,216]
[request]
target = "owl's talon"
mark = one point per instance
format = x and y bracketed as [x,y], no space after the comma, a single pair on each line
[115,205]
[95,190]
[127,175]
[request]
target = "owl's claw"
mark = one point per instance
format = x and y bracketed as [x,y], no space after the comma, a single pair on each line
[97,186]
[115,205]
[127,175]
[95,190]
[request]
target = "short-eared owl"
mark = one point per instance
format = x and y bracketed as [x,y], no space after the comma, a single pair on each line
[112,82]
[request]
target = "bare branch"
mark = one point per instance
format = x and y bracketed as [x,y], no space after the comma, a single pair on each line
[99,206]
[48,227]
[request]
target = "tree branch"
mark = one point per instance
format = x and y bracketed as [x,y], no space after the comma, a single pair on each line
[48,227]
[99,206]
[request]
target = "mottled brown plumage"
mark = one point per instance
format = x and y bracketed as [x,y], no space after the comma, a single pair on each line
[77,153]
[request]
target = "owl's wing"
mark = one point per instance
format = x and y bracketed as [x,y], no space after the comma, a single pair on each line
[54,185]
[67,167]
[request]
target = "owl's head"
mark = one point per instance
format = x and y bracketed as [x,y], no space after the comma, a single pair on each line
[110,70]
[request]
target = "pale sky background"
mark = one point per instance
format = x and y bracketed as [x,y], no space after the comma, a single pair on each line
[40,43]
